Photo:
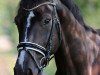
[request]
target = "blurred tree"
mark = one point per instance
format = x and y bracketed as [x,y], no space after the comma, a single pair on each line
[7,26]
[88,3]
[91,11]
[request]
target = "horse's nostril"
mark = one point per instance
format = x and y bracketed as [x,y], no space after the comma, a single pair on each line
[29,72]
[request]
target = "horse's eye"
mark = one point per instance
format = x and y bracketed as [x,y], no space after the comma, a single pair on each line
[46,21]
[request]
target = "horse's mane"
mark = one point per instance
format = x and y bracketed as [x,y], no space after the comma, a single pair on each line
[70,4]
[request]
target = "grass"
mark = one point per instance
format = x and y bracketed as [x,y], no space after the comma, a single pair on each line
[51,68]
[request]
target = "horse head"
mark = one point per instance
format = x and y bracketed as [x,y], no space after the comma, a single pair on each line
[39,36]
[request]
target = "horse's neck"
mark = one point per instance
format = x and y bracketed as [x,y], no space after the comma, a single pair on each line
[63,60]
[68,21]
[69,26]
[75,37]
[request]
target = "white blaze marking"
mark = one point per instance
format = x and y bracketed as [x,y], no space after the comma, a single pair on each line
[30,16]
[21,58]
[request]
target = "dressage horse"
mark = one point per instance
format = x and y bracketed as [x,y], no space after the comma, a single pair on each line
[49,27]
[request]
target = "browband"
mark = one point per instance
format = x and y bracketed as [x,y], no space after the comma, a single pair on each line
[46,3]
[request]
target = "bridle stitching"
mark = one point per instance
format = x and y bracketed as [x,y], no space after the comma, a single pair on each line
[36,50]
[34,44]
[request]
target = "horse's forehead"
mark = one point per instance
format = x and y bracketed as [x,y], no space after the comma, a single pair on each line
[28,23]
[32,3]
[30,16]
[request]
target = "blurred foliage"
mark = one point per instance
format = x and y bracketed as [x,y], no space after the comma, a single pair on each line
[7,14]
[90,10]
[86,4]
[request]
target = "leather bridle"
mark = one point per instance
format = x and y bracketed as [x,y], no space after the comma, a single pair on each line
[44,51]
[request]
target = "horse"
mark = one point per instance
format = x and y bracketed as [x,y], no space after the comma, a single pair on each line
[48,27]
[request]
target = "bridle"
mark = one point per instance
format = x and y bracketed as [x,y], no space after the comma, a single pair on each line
[44,51]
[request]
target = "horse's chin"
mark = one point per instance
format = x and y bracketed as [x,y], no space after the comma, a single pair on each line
[27,72]
[34,71]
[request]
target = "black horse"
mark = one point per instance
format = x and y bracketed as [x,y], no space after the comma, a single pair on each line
[49,27]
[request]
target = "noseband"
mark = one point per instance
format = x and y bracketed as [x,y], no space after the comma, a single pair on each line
[45,52]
